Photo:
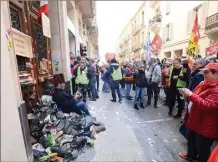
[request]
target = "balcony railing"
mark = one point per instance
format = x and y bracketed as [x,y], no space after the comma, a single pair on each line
[211,22]
[156,19]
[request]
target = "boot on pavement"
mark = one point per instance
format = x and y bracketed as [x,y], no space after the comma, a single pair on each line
[142,106]
[136,107]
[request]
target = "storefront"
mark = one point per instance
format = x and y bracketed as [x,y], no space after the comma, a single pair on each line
[32,50]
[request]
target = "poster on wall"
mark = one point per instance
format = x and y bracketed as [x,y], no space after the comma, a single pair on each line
[46,26]
[56,65]
[22,44]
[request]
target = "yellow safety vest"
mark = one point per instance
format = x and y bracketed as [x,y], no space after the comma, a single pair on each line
[81,77]
[117,74]
[180,83]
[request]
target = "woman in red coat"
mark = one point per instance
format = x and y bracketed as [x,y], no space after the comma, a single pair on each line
[203,115]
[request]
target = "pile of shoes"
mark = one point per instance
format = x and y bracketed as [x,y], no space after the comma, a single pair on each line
[58,136]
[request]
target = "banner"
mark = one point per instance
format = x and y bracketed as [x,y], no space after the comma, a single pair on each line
[193,46]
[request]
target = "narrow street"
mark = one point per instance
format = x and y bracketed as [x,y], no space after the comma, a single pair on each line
[131,135]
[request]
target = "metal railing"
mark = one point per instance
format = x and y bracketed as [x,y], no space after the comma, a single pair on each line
[156,19]
[211,22]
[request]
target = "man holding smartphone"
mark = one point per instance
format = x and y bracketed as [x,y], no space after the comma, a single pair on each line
[175,82]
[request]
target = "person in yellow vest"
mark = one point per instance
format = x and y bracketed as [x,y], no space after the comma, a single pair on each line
[175,82]
[81,80]
[114,74]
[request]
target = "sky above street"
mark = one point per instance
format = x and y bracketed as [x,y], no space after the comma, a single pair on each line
[112,17]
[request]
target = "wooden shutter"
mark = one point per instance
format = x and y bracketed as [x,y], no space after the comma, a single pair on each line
[189,21]
[168,7]
[170,31]
[164,34]
[204,13]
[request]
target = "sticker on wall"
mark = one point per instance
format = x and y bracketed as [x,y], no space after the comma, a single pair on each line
[10,45]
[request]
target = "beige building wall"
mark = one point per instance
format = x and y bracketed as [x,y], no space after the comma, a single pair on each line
[12,142]
[132,38]
[180,15]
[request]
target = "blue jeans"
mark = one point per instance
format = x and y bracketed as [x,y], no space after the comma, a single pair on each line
[115,86]
[140,91]
[93,89]
[83,107]
[128,88]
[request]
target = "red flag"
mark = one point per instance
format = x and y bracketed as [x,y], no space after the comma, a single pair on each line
[195,29]
[156,43]
[190,63]
[43,8]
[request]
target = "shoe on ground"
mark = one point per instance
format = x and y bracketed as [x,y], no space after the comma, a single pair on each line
[177,116]
[120,101]
[184,156]
[92,99]
[97,97]
[170,114]
[129,98]
[142,106]
[155,106]
[113,100]
[136,107]
[147,105]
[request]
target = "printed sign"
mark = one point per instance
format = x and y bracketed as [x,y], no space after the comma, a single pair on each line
[46,26]
[22,44]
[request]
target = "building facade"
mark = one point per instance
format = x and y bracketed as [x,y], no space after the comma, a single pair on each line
[173,22]
[131,40]
[35,53]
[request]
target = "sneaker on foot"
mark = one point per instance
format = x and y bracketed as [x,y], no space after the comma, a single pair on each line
[120,101]
[155,106]
[177,116]
[92,99]
[170,114]
[136,107]
[184,156]
[142,106]
[129,98]
[113,100]
[147,105]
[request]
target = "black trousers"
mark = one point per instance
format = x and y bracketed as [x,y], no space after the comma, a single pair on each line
[97,81]
[74,85]
[122,83]
[153,89]
[199,146]
[166,92]
[84,89]
[173,96]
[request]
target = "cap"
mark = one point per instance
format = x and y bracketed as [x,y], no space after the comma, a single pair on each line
[211,66]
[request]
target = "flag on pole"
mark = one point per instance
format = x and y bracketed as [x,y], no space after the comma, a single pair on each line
[43,8]
[193,46]
[148,48]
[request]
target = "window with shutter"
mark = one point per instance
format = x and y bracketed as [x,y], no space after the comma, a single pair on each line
[189,21]
[170,31]
[204,13]
[168,7]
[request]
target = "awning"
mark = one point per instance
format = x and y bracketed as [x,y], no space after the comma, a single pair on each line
[212,50]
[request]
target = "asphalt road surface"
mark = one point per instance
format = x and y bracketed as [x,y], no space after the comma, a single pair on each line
[134,135]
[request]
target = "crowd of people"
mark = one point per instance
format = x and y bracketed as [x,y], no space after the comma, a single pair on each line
[194,88]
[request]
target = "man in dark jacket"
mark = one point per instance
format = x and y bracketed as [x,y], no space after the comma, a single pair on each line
[67,103]
[128,73]
[114,74]
[92,79]
[197,76]
[141,83]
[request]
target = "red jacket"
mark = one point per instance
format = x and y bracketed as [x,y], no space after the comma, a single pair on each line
[203,117]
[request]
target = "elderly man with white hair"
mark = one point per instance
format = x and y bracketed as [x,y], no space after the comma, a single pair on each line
[154,77]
